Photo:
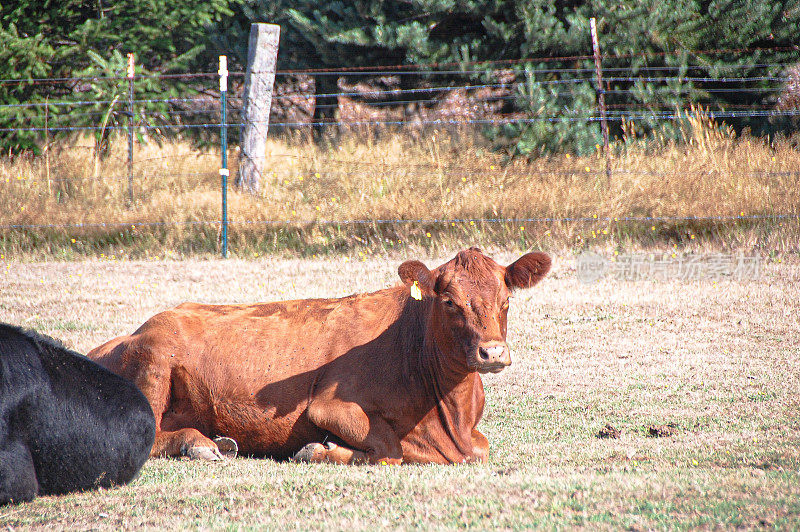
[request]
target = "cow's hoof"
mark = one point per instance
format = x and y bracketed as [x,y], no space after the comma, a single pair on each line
[227,446]
[204,453]
[313,452]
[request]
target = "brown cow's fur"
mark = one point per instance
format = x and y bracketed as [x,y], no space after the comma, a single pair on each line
[377,377]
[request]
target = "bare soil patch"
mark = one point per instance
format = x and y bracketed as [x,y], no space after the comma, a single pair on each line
[662,431]
[608,432]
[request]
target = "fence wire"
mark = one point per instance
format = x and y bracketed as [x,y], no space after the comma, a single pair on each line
[412,221]
[480,83]
[613,117]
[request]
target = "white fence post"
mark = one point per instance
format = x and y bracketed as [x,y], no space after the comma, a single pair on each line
[601,96]
[262,56]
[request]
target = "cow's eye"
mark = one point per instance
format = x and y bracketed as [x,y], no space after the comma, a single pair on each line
[448,303]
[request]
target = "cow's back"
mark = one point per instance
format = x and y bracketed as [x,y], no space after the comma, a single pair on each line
[94,428]
[81,425]
[289,337]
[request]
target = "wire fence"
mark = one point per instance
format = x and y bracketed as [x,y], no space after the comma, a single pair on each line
[657,97]
[479,94]
[416,221]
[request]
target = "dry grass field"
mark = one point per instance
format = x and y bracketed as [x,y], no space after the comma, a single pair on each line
[714,363]
[310,191]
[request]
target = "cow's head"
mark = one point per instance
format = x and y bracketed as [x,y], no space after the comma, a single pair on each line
[470,303]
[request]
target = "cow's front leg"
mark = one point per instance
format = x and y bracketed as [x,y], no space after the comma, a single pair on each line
[480,447]
[190,442]
[370,438]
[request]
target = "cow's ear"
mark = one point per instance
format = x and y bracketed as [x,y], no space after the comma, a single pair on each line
[414,270]
[527,270]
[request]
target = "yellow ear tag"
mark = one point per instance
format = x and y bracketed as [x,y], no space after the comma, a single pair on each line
[416,292]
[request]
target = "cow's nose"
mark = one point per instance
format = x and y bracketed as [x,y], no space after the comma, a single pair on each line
[495,355]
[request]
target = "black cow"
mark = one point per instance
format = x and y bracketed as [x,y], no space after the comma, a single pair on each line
[66,424]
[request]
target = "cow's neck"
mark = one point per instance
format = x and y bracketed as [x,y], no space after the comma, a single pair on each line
[438,367]
[459,402]
[457,392]
[425,360]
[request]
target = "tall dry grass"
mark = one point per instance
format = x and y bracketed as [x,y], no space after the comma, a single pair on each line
[308,187]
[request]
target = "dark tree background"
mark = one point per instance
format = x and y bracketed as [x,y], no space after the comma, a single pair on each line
[81,38]
[678,39]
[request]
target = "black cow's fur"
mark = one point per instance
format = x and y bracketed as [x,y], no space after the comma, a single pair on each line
[66,423]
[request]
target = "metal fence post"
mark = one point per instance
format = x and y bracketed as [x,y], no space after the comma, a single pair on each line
[131,72]
[601,96]
[47,141]
[223,171]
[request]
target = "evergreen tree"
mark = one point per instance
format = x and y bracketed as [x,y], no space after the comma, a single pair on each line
[651,48]
[81,38]
[316,35]
[659,54]
[22,58]
[769,30]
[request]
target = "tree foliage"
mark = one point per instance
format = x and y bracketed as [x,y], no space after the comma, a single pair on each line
[659,54]
[675,39]
[90,39]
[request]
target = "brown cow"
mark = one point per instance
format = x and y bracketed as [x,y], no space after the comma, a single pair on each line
[387,377]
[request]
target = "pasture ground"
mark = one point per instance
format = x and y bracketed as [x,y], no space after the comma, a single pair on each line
[719,360]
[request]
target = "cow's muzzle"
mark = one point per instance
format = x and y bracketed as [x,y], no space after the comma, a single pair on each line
[493,358]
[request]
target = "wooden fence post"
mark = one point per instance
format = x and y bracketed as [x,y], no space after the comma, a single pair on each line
[601,97]
[262,56]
